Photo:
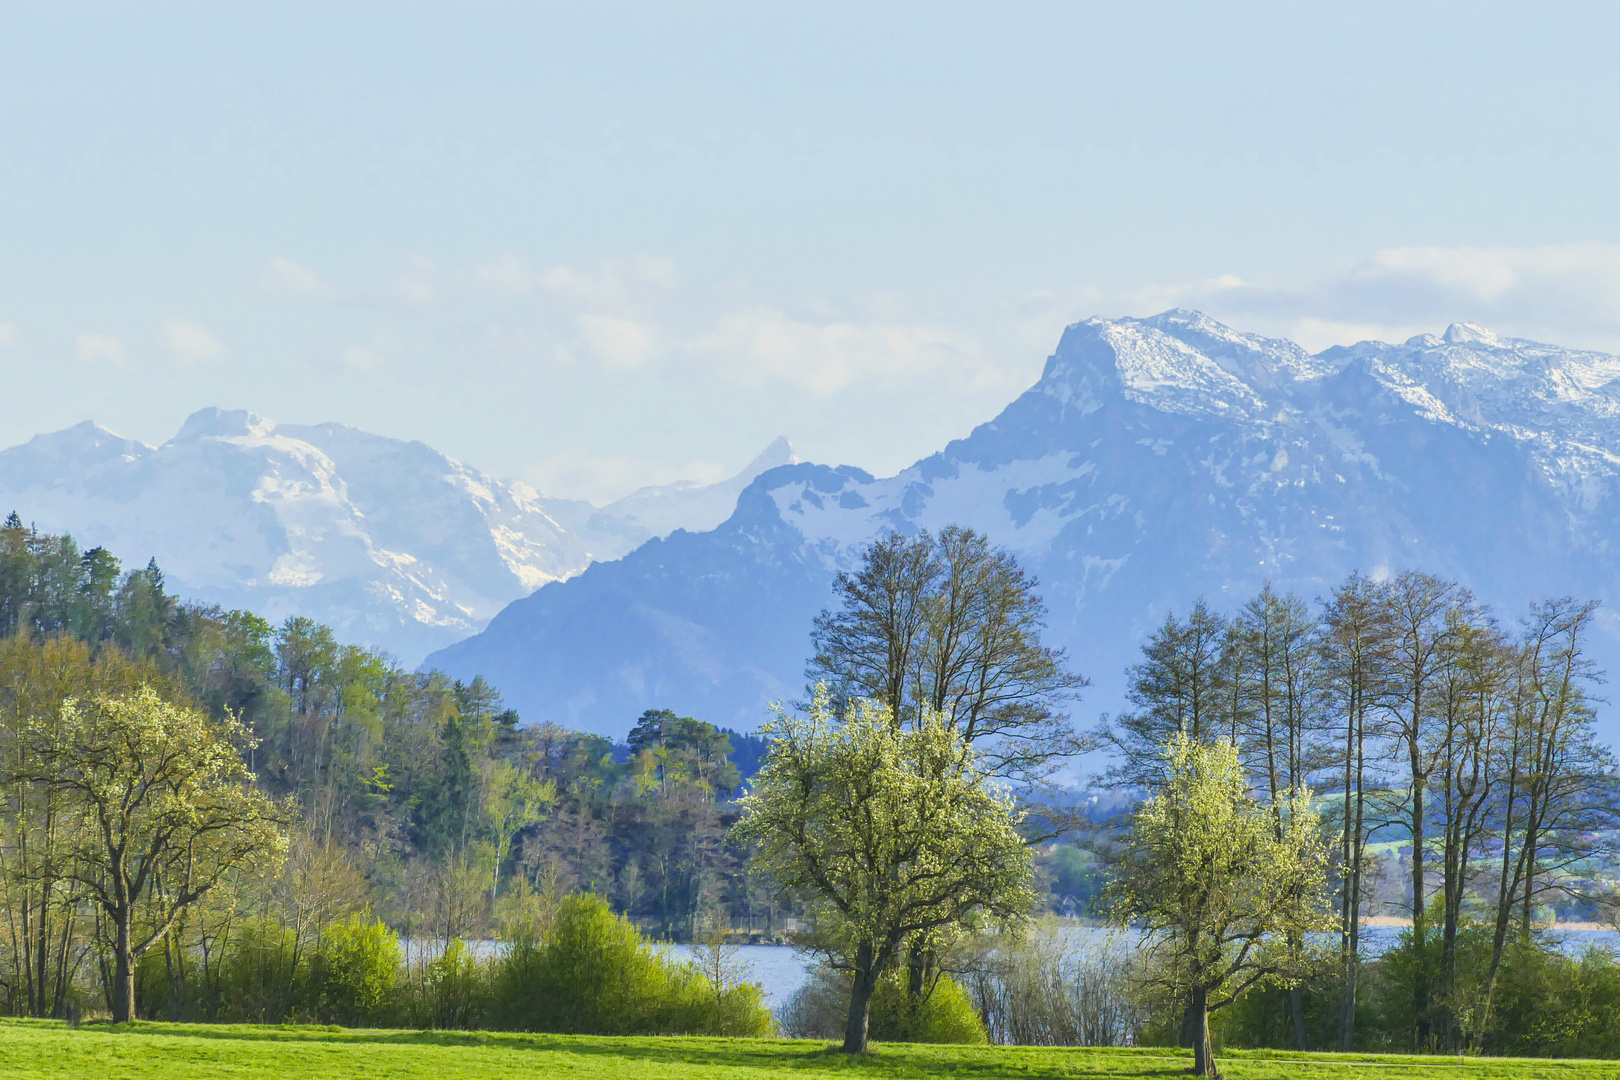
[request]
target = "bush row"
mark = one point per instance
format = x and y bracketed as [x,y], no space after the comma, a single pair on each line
[591,973]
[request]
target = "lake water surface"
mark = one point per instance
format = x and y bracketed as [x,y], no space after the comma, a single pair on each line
[781,969]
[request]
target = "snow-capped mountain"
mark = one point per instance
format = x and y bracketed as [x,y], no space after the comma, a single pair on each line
[392,543]
[1156,460]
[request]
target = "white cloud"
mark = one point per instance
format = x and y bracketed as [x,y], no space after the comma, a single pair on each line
[761,344]
[618,343]
[632,313]
[617,283]
[105,348]
[1566,294]
[417,285]
[283,277]
[193,342]
[361,358]
[508,274]
[11,337]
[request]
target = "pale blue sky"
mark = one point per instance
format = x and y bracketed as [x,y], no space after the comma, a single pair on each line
[597,245]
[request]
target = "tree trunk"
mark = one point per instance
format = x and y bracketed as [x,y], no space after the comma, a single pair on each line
[1203,1053]
[1420,923]
[123,1002]
[860,1001]
[1297,1007]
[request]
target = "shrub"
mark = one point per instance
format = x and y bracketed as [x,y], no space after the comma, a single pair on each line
[1056,988]
[450,991]
[248,975]
[1549,1003]
[945,1016]
[595,974]
[820,1008]
[354,975]
[256,975]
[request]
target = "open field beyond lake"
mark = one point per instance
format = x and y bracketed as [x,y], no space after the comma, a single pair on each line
[183,1051]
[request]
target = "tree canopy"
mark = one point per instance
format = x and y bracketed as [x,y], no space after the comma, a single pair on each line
[887,831]
[1222,888]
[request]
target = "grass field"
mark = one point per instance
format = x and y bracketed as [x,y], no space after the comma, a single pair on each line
[183,1051]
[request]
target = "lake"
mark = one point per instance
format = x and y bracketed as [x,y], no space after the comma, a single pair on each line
[781,969]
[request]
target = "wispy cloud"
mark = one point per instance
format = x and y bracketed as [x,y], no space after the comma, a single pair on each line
[508,275]
[92,347]
[11,338]
[617,283]
[361,358]
[636,313]
[192,342]
[283,277]
[825,356]
[619,343]
[419,284]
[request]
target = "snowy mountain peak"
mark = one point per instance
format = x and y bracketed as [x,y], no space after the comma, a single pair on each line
[779,452]
[1464,333]
[1181,361]
[1157,460]
[390,542]
[223,424]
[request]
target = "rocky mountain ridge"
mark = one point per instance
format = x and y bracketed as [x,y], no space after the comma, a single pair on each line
[1156,460]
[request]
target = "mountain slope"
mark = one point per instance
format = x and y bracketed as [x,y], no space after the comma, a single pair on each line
[1156,460]
[391,542]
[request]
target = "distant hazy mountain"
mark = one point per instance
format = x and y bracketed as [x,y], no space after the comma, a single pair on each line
[1155,460]
[651,512]
[391,542]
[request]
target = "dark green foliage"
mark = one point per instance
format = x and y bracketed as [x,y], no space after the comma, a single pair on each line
[451,991]
[696,748]
[1073,878]
[747,751]
[1263,1016]
[1548,1003]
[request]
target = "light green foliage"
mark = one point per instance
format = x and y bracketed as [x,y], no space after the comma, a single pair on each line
[946,1015]
[819,1009]
[595,974]
[452,991]
[354,976]
[31,1049]
[513,800]
[1220,886]
[887,831]
[164,806]
[672,747]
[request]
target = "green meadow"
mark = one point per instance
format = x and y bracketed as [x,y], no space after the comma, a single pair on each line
[184,1051]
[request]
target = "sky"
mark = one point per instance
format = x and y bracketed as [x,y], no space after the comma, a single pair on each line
[599,245]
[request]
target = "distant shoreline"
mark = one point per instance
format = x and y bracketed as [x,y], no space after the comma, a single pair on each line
[1402,921]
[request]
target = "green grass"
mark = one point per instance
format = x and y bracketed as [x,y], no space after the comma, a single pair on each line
[182,1051]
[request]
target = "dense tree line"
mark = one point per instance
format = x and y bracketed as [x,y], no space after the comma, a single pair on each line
[408,793]
[1449,752]
[1444,761]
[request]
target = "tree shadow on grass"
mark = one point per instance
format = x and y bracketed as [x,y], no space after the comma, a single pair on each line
[965,1063]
